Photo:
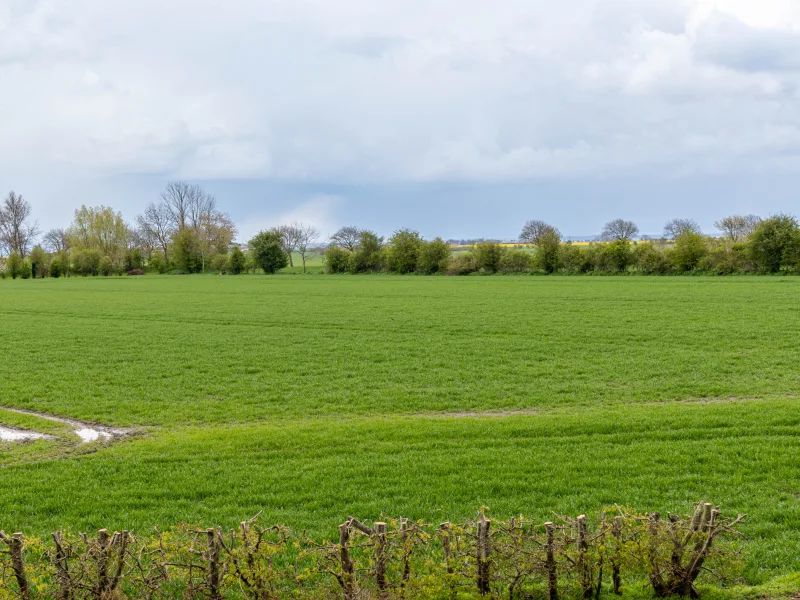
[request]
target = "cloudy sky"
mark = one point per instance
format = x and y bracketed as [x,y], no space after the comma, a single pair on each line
[456,117]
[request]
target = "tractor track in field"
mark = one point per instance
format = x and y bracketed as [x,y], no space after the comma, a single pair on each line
[85,431]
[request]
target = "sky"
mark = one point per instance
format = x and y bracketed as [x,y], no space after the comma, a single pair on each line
[459,118]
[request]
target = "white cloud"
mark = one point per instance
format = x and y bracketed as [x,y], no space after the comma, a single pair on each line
[318,211]
[359,90]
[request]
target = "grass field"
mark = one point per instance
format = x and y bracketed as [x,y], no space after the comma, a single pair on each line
[312,398]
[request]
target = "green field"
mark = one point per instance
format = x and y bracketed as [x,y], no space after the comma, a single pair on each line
[313,398]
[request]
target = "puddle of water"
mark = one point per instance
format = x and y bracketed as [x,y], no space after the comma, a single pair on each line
[86,432]
[12,435]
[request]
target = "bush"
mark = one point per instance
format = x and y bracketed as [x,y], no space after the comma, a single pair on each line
[689,250]
[403,250]
[134,260]
[462,264]
[267,251]
[617,255]
[487,256]
[548,251]
[725,258]
[219,263]
[368,255]
[337,260]
[775,244]
[516,261]
[159,263]
[434,256]
[86,262]
[134,272]
[575,260]
[650,260]
[39,262]
[26,271]
[187,252]
[236,261]
[14,265]
[105,266]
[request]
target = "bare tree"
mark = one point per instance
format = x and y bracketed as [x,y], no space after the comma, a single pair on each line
[619,229]
[534,231]
[16,230]
[738,227]
[307,237]
[347,237]
[157,225]
[290,237]
[678,227]
[56,240]
[184,202]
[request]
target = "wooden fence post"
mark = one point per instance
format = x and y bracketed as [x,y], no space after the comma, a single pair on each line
[380,557]
[484,551]
[62,572]
[348,583]
[550,562]
[15,546]
[214,550]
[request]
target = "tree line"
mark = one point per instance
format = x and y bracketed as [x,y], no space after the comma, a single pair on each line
[184,231]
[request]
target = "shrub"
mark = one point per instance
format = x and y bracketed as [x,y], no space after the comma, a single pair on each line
[14,265]
[25,269]
[236,261]
[516,261]
[368,255]
[86,262]
[689,250]
[159,263]
[725,258]
[105,266]
[650,260]
[403,250]
[336,260]
[134,272]
[219,263]
[134,260]
[617,255]
[487,256]
[39,262]
[267,251]
[548,251]
[775,244]
[576,260]
[462,264]
[434,256]
[186,251]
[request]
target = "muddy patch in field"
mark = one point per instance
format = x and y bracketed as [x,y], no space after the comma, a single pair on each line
[86,432]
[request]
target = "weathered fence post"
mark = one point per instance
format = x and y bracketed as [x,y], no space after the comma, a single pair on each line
[484,551]
[348,579]
[102,562]
[15,547]
[584,568]
[550,562]
[380,557]
[62,571]
[616,579]
[214,550]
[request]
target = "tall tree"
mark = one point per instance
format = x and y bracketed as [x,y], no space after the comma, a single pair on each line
[535,231]
[677,227]
[17,231]
[347,237]
[99,228]
[738,227]
[185,203]
[306,238]
[157,224]
[619,229]
[56,241]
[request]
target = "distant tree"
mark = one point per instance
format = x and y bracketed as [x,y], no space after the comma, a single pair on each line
[17,231]
[775,243]
[268,251]
[290,238]
[619,229]
[55,240]
[99,228]
[434,256]
[14,265]
[347,237]
[548,250]
[185,204]
[236,261]
[188,251]
[617,255]
[59,266]
[738,227]
[677,227]
[488,256]
[221,263]
[368,254]
[516,261]
[306,237]
[534,231]
[39,262]
[690,248]
[402,251]
[106,266]
[337,260]
[86,262]
[157,225]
